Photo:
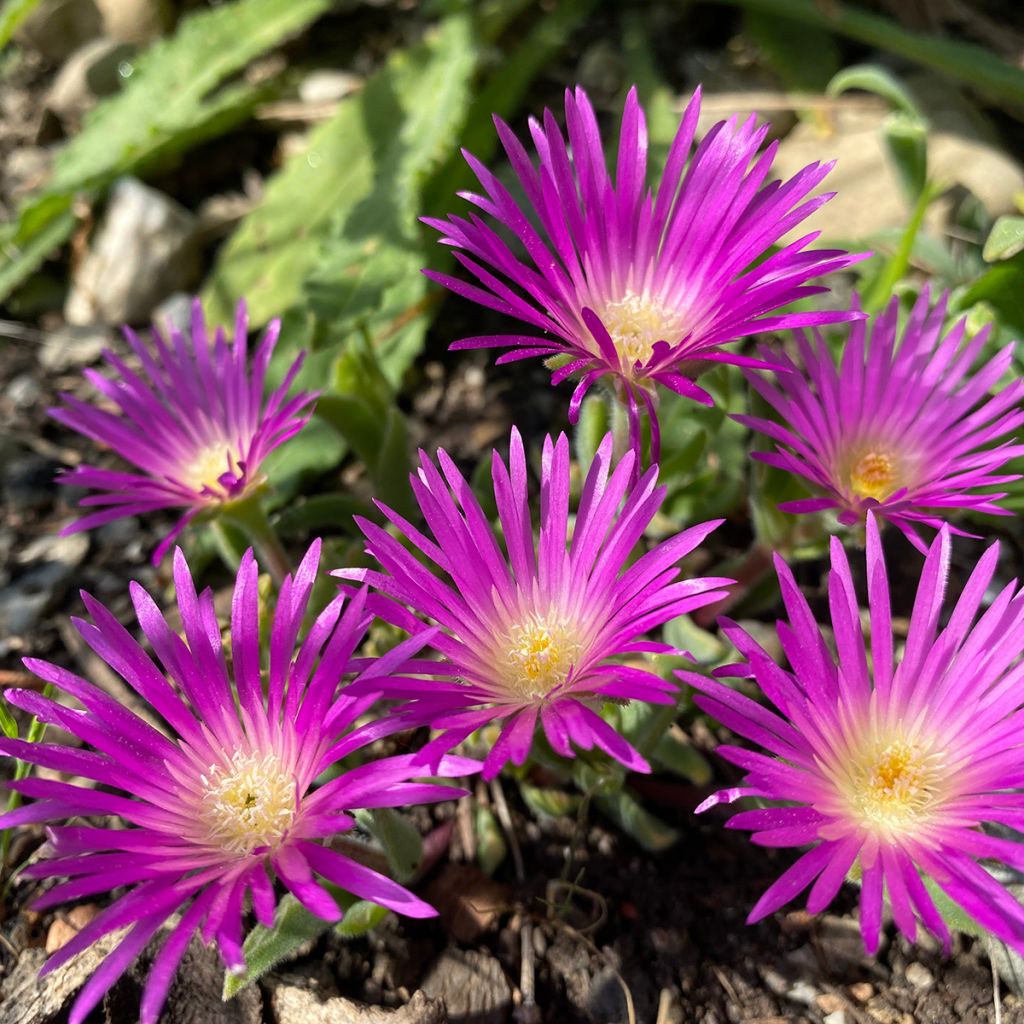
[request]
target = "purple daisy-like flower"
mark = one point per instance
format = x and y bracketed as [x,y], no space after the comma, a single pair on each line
[224,790]
[194,422]
[890,764]
[540,632]
[641,286]
[901,426]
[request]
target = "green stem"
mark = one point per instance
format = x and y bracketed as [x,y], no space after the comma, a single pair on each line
[899,262]
[967,62]
[248,515]
[620,425]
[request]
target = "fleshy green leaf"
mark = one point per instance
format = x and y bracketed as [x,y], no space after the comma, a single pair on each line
[357,179]
[398,837]
[875,79]
[264,948]
[491,848]
[169,103]
[1005,240]
[294,927]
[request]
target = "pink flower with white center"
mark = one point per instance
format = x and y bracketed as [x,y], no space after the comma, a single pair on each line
[194,422]
[642,286]
[533,632]
[901,426]
[224,795]
[884,762]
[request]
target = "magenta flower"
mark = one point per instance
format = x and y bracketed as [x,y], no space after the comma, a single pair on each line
[533,634]
[194,422]
[644,287]
[224,792]
[900,426]
[886,765]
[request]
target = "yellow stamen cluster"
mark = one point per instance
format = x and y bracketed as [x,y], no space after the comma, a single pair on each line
[636,323]
[538,656]
[894,785]
[874,475]
[248,803]
[207,467]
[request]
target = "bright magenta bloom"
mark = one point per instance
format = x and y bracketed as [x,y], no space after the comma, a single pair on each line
[194,422]
[901,425]
[895,767]
[540,632]
[225,793]
[645,287]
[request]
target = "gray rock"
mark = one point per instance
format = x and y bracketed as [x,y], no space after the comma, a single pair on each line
[143,252]
[56,28]
[471,985]
[53,563]
[90,72]
[294,1005]
[24,391]
[72,347]
[175,310]
[27,481]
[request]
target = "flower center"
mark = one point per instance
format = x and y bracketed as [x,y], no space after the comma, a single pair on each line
[208,466]
[538,656]
[636,323]
[247,804]
[894,785]
[874,475]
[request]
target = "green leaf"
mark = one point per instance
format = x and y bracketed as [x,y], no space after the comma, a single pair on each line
[875,79]
[172,85]
[685,635]
[264,948]
[629,814]
[361,917]
[1000,287]
[294,926]
[1005,240]
[317,449]
[398,837]
[49,225]
[547,802]
[12,14]
[675,754]
[7,721]
[169,103]
[491,848]
[356,179]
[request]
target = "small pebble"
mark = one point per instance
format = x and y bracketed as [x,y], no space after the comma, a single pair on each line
[24,391]
[919,976]
[862,991]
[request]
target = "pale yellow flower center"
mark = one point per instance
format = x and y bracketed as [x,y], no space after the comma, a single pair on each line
[874,475]
[207,467]
[247,804]
[893,785]
[637,322]
[538,655]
